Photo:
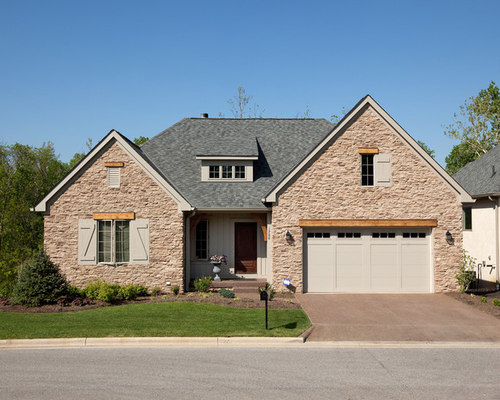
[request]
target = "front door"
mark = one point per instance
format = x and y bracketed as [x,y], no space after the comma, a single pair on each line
[245,247]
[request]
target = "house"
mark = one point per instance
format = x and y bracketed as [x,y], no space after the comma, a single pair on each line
[352,207]
[481,178]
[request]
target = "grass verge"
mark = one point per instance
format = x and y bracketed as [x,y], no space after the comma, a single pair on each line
[153,320]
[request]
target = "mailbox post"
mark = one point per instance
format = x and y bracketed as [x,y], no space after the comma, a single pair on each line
[264,296]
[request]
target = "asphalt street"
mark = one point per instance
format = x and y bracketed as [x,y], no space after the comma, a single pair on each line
[250,373]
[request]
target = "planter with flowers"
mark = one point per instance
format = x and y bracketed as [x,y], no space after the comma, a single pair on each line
[217,260]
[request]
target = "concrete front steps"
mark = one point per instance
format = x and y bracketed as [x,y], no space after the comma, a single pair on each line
[248,288]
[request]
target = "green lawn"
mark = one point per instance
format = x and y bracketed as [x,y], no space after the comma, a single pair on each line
[154,319]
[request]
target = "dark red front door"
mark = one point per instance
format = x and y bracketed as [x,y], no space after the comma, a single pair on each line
[245,247]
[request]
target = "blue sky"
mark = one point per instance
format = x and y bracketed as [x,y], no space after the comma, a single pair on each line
[70,70]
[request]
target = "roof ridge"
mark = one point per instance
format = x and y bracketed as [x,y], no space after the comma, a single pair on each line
[261,119]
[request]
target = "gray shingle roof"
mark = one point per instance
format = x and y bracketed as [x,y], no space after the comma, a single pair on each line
[279,143]
[482,176]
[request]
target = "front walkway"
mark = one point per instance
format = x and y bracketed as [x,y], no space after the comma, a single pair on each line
[396,317]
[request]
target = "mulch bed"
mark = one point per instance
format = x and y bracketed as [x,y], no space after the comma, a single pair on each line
[280,301]
[475,301]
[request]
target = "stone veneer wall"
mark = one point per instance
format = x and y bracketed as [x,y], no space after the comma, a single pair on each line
[137,193]
[331,189]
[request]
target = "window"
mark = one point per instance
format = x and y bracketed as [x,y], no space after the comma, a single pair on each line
[239,171]
[202,240]
[383,235]
[214,172]
[376,170]
[113,241]
[349,235]
[366,169]
[414,235]
[227,172]
[467,218]
[324,235]
[113,177]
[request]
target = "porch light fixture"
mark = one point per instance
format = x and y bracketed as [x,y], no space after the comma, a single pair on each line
[288,236]
[449,237]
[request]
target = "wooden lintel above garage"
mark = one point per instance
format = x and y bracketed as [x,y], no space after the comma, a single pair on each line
[306,223]
[112,215]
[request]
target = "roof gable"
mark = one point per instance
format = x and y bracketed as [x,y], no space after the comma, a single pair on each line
[133,152]
[338,130]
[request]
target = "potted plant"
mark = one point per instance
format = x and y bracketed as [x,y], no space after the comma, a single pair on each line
[217,260]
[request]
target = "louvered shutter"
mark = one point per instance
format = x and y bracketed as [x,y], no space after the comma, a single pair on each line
[382,169]
[139,241]
[113,177]
[87,242]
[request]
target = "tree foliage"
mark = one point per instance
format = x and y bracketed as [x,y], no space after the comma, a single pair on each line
[460,155]
[427,149]
[140,140]
[477,126]
[27,174]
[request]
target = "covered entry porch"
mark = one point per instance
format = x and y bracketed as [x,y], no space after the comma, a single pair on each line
[241,236]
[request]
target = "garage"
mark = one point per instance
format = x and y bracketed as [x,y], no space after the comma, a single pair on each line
[369,260]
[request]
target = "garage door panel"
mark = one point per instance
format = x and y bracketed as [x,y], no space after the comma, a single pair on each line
[384,271]
[414,276]
[349,266]
[370,260]
[320,255]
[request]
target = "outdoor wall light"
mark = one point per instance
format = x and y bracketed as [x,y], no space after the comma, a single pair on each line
[449,237]
[288,236]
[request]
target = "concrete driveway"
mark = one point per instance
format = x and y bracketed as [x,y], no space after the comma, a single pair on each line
[396,317]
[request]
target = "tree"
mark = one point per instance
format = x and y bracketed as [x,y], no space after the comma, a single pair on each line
[140,140]
[460,155]
[241,107]
[427,149]
[26,176]
[477,128]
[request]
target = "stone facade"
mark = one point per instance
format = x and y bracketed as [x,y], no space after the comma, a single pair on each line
[137,193]
[330,188]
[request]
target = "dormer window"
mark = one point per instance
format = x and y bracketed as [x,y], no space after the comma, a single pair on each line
[227,170]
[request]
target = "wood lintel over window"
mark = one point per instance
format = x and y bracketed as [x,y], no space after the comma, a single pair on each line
[368,150]
[305,223]
[259,218]
[114,215]
[114,164]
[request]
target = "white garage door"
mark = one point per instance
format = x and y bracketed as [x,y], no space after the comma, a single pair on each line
[367,261]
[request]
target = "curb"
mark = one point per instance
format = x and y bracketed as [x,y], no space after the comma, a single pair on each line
[298,342]
[151,342]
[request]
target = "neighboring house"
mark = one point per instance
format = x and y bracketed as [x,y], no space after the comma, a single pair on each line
[352,207]
[481,220]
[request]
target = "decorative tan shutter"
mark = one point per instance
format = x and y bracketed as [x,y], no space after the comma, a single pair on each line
[139,241]
[87,242]
[382,169]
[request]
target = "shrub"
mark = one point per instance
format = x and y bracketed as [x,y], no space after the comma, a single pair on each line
[228,294]
[465,275]
[203,284]
[39,282]
[141,290]
[73,292]
[129,292]
[100,290]
[176,289]
[156,291]
[272,292]
[483,300]
[496,302]
[8,277]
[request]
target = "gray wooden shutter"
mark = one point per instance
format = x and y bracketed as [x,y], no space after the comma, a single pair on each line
[382,169]
[87,242]
[139,241]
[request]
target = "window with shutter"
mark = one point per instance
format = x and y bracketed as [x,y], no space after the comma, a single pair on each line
[139,241]
[87,242]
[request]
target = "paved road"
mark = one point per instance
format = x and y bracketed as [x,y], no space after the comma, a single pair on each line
[250,373]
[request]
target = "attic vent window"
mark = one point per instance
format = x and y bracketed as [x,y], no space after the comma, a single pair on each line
[114,177]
